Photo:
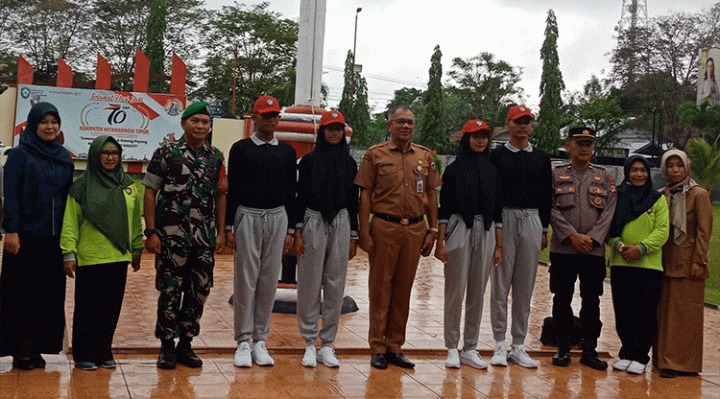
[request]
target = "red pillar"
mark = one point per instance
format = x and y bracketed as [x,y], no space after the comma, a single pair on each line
[64,74]
[141,81]
[25,72]
[179,71]
[103,76]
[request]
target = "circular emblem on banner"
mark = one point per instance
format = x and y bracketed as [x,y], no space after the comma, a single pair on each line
[25,92]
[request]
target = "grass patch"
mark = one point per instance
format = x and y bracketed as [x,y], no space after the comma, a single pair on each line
[712,285]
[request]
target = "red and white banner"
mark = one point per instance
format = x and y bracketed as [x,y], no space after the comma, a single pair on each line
[140,122]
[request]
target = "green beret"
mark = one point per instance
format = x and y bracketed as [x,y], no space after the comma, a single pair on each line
[196,108]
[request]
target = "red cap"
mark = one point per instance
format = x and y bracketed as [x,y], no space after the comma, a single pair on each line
[266,104]
[332,117]
[475,125]
[519,111]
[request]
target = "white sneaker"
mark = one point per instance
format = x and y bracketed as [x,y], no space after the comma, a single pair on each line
[242,355]
[500,356]
[472,359]
[453,359]
[622,364]
[326,355]
[260,354]
[519,356]
[636,368]
[310,357]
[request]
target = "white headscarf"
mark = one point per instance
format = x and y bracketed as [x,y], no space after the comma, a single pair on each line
[676,194]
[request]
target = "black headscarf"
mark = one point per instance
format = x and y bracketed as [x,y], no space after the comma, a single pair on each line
[632,201]
[331,172]
[51,150]
[476,183]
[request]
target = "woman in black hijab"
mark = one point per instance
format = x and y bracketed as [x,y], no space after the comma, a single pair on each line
[469,241]
[38,175]
[325,236]
[639,229]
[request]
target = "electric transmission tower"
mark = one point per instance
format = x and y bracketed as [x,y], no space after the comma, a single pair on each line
[632,32]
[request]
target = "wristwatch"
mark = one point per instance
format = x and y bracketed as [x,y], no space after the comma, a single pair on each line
[149,232]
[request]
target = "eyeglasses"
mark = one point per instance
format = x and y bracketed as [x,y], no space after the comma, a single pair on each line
[410,122]
[114,154]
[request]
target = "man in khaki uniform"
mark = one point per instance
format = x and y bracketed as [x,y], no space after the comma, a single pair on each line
[398,181]
[582,210]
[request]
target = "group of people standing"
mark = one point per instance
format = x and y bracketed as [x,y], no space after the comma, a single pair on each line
[657,283]
[493,222]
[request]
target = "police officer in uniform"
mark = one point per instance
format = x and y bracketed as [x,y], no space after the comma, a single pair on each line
[582,210]
[398,181]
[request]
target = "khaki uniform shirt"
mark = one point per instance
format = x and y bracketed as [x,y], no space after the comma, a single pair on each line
[583,202]
[399,180]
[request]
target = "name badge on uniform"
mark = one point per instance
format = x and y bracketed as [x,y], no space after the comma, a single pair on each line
[420,185]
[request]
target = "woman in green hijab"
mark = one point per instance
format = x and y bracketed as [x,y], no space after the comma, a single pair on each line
[101,234]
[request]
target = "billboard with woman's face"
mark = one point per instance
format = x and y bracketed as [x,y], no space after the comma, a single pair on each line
[709,75]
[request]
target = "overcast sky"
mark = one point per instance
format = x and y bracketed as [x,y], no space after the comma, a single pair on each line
[396,38]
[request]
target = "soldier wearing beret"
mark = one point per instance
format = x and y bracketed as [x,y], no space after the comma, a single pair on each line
[583,206]
[185,204]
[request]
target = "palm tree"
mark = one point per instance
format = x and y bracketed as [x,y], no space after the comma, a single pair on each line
[705,159]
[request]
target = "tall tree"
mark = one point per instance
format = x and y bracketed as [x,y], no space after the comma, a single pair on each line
[361,113]
[547,135]
[346,101]
[489,86]
[597,109]
[432,133]
[265,44]
[155,50]
[44,30]
[120,26]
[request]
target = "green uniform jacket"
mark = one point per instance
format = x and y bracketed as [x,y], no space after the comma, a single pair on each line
[651,229]
[80,240]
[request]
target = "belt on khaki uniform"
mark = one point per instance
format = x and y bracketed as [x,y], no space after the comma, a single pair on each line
[402,221]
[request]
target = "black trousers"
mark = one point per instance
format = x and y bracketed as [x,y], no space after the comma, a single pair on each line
[636,294]
[99,291]
[565,269]
[32,298]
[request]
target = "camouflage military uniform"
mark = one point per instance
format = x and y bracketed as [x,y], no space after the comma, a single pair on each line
[187,180]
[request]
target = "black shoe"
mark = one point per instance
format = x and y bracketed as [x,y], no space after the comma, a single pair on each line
[591,359]
[399,360]
[378,361]
[167,359]
[561,358]
[186,356]
[668,373]
[38,361]
[23,363]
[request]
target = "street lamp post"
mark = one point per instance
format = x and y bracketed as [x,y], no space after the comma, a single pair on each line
[352,84]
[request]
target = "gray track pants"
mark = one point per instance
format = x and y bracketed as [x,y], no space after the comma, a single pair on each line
[522,239]
[259,237]
[469,262]
[322,266]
